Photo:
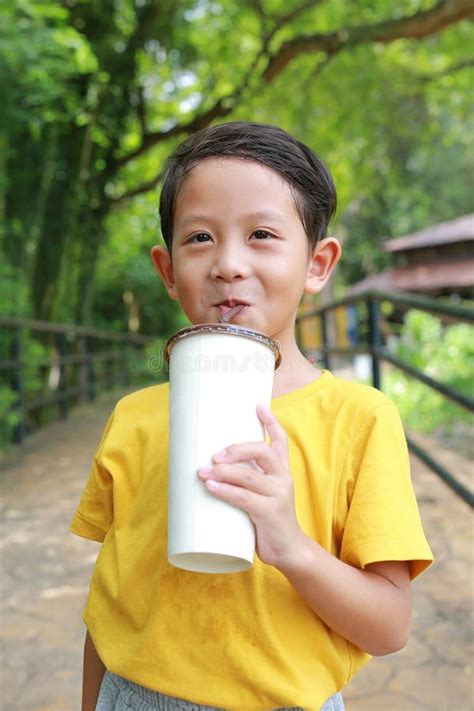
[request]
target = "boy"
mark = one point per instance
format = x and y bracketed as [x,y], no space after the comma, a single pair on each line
[244,213]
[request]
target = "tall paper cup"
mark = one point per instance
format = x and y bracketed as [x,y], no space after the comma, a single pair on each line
[218,374]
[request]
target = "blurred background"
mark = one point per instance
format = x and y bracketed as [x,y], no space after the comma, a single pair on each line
[94,96]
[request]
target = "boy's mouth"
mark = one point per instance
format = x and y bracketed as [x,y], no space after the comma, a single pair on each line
[229,309]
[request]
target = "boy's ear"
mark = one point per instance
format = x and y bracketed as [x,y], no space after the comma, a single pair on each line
[163,265]
[323,260]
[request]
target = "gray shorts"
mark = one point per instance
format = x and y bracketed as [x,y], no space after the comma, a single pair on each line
[117,694]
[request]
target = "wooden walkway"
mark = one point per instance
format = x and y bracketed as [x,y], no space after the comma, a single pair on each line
[45,574]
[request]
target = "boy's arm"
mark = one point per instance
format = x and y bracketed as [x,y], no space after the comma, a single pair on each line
[93,673]
[371,608]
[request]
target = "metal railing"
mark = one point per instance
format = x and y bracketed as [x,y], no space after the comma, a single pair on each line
[75,363]
[378,353]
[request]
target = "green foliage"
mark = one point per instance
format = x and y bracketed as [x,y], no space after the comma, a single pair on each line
[125,270]
[40,53]
[150,368]
[32,355]
[13,291]
[445,353]
[9,418]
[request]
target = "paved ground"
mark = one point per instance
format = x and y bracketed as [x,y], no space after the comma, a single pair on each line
[45,573]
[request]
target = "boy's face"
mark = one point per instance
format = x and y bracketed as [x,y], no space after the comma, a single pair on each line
[237,238]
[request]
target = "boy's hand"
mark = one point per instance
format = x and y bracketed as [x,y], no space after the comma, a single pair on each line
[254,476]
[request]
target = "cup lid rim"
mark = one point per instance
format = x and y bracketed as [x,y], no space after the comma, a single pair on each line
[224,328]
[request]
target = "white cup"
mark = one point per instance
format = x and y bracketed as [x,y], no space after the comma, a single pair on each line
[218,374]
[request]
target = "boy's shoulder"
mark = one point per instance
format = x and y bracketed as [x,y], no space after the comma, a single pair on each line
[142,401]
[352,393]
[336,397]
[357,406]
[332,398]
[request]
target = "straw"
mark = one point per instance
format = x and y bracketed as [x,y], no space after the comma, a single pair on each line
[225,318]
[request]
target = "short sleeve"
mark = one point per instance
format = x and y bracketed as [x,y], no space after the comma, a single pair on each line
[94,514]
[383,522]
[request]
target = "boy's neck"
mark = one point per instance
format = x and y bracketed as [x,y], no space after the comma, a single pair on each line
[294,372]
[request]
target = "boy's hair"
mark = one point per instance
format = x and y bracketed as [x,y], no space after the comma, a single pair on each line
[310,181]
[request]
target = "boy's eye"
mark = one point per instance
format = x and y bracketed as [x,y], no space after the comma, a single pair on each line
[200,237]
[262,234]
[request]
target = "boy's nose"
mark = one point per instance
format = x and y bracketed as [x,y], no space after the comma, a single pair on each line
[229,265]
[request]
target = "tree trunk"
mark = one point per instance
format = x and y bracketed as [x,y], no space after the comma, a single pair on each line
[56,224]
[89,237]
[24,168]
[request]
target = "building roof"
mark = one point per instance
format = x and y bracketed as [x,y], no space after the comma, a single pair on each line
[454,274]
[459,230]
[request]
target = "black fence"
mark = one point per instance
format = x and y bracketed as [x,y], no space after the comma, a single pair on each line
[47,367]
[371,343]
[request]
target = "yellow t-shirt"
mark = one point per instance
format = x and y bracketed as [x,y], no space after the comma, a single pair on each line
[243,640]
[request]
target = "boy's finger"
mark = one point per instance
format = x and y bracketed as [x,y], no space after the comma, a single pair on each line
[238,474]
[278,436]
[265,457]
[242,498]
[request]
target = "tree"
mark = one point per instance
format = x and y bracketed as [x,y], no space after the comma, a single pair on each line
[152,72]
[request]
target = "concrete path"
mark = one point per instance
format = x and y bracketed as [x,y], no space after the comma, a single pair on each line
[45,573]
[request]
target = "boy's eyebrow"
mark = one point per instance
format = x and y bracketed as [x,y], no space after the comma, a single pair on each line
[259,215]
[192,218]
[266,215]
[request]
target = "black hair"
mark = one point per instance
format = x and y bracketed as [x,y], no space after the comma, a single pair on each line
[310,181]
